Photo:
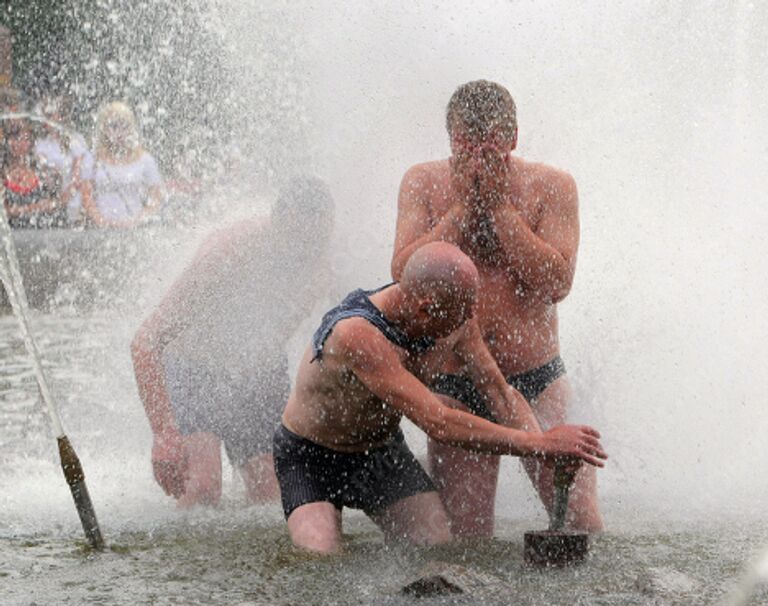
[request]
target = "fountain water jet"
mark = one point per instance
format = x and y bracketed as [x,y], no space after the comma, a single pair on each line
[70,463]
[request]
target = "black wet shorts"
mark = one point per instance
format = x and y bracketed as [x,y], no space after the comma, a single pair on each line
[371,480]
[530,384]
[242,411]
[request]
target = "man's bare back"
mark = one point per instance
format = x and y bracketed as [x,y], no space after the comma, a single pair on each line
[210,360]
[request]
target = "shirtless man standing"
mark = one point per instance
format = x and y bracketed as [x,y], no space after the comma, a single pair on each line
[367,366]
[518,221]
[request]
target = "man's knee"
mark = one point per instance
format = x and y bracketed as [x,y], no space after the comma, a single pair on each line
[316,527]
[420,519]
[436,529]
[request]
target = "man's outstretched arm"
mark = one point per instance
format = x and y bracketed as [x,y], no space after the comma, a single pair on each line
[165,323]
[162,326]
[368,354]
[507,404]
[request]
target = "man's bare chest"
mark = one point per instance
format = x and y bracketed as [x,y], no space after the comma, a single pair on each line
[525,199]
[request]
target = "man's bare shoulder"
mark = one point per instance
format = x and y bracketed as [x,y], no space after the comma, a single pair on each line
[357,340]
[355,335]
[426,174]
[549,177]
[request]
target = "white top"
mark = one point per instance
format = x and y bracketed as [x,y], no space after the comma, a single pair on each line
[50,151]
[122,190]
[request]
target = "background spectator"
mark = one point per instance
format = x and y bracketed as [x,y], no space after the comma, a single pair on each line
[64,151]
[31,191]
[124,186]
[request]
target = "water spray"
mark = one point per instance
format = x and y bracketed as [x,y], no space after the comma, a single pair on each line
[755,575]
[70,463]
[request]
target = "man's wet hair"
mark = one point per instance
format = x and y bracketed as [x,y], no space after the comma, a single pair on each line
[303,198]
[481,106]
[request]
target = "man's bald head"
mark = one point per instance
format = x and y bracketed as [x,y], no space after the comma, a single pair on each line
[444,281]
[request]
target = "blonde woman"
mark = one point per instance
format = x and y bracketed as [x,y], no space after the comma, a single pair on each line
[124,186]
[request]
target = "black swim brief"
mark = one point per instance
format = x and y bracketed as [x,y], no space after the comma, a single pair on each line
[530,384]
[463,389]
[371,480]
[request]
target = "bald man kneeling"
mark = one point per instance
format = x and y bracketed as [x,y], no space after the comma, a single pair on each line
[340,444]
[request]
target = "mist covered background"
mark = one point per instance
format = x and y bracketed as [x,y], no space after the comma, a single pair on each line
[659,112]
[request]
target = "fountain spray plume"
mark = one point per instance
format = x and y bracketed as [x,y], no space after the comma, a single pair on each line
[70,463]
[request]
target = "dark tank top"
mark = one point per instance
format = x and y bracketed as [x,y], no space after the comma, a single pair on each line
[357,305]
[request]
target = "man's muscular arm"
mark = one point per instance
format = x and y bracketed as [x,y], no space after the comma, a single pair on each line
[168,460]
[163,325]
[544,260]
[507,404]
[373,360]
[414,228]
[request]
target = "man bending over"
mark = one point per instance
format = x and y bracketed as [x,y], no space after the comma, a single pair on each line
[340,444]
[210,361]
